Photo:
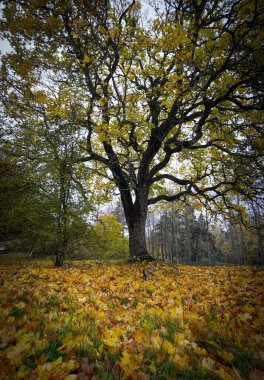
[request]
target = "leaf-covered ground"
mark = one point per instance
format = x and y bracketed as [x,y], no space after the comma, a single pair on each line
[104,321]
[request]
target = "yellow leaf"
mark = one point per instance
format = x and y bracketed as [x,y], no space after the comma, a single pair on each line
[179,339]
[152,367]
[125,359]
[180,360]
[208,363]
[71,365]
[41,344]
[198,350]
[140,306]
[168,347]
[82,299]
[22,373]
[140,336]
[245,317]
[112,337]
[227,356]
[56,362]
[223,374]
[71,377]
[127,364]
[156,341]
[86,59]
[21,305]
[176,312]
[214,344]
[15,355]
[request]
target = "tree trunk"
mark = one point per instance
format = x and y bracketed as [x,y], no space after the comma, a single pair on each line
[188,240]
[257,223]
[136,217]
[137,238]
[207,238]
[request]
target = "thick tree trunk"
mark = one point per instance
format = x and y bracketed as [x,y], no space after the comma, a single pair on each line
[136,217]
[137,238]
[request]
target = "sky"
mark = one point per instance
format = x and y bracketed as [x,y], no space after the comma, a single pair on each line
[4,46]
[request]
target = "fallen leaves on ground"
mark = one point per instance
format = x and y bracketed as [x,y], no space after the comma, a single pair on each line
[102,320]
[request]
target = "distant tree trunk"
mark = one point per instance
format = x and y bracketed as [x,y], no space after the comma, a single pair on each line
[165,240]
[162,241]
[207,238]
[243,246]
[188,240]
[257,223]
[62,244]
[233,244]
[157,237]
[148,228]
[119,213]
[174,248]
[153,245]
[260,250]
[238,247]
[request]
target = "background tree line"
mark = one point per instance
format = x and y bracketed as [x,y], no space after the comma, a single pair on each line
[46,211]
[191,236]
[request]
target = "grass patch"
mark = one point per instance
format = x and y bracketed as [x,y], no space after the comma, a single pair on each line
[52,351]
[149,323]
[20,258]
[17,312]
[50,301]
[29,362]
[91,349]
[171,326]
[124,301]
[65,329]
[245,361]
[84,351]
[187,374]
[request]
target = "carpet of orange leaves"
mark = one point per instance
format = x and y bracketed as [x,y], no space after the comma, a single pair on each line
[102,320]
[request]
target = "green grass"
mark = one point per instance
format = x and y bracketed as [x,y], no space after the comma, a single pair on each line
[52,351]
[25,297]
[171,326]
[64,329]
[19,257]
[244,360]
[17,312]
[195,375]
[84,351]
[91,349]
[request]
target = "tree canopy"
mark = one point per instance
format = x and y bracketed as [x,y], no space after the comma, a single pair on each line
[173,98]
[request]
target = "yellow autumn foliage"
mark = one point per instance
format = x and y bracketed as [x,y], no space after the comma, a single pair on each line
[117,322]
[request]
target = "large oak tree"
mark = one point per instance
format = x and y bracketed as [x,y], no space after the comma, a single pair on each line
[175,97]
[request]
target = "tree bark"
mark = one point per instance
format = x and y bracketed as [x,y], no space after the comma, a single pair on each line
[136,217]
[137,239]
[188,240]
[257,222]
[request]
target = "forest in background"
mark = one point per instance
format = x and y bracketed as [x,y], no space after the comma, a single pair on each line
[42,210]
